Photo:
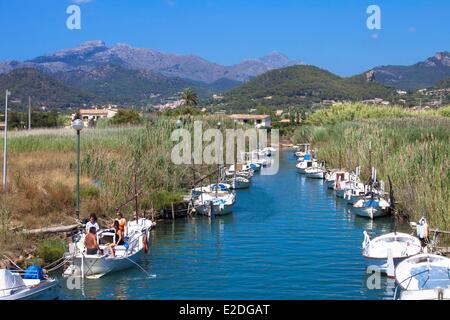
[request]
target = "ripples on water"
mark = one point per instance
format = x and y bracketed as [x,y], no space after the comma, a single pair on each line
[288,238]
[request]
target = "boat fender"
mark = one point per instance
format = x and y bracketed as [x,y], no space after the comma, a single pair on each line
[145,243]
[390,270]
[366,240]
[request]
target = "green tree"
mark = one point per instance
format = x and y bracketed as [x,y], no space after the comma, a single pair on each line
[189,97]
[126,116]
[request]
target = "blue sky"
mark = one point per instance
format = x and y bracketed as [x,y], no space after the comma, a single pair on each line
[329,34]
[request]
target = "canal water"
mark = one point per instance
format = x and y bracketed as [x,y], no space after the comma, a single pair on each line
[288,238]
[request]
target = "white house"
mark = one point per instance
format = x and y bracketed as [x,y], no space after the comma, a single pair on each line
[258,120]
[88,115]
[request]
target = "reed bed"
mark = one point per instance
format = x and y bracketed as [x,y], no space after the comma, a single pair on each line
[42,164]
[412,150]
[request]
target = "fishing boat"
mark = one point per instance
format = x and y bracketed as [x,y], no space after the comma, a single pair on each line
[238,182]
[423,277]
[94,266]
[355,191]
[395,246]
[301,150]
[215,203]
[30,284]
[308,162]
[315,172]
[240,170]
[371,207]
[269,151]
[256,167]
[333,176]
[221,187]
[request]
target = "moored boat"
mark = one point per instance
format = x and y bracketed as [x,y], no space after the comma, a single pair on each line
[215,204]
[423,277]
[238,182]
[308,162]
[395,246]
[97,265]
[371,207]
[315,172]
[31,284]
[333,176]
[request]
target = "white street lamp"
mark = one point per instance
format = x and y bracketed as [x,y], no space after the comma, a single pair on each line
[78,125]
[8,93]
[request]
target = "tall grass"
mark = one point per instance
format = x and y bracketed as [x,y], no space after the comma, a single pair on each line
[356,111]
[412,150]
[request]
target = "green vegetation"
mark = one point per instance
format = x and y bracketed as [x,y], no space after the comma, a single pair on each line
[189,97]
[302,85]
[126,116]
[50,250]
[350,112]
[413,150]
[39,119]
[43,90]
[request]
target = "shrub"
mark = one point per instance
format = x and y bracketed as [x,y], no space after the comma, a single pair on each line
[50,250]
[89,191]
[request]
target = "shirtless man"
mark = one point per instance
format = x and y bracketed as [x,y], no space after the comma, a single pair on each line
[90,241]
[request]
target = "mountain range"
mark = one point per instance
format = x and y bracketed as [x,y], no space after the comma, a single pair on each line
[93,54]
[94,72]
[423,74]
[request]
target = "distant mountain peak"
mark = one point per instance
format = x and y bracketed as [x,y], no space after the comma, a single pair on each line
[423,74]
[275,60]
[92,43]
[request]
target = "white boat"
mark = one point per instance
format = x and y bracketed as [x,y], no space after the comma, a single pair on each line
[315,173]
[215,204]
[269,151]
[423,277]
[256,167]
[354,192]
[308,162]
[301,150]
[394,246]
[94,266]
[30,284]
[371,207]
[220,187]
[262,162]
[242,170]
[336,177]
[238,182]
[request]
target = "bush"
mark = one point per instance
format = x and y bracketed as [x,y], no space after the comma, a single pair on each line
[89,191]
[50,250]
[126,116]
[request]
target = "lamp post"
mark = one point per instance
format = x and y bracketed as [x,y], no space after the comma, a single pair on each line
[78,125]
[8,93]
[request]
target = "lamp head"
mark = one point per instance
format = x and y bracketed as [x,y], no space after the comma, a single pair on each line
[179,123]
[78,125]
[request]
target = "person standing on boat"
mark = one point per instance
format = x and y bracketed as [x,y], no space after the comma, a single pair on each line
[90,242]
[92,223]
[122,223]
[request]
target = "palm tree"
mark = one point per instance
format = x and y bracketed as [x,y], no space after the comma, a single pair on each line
[189,97]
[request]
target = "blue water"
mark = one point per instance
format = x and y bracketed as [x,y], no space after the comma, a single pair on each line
[288,238]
